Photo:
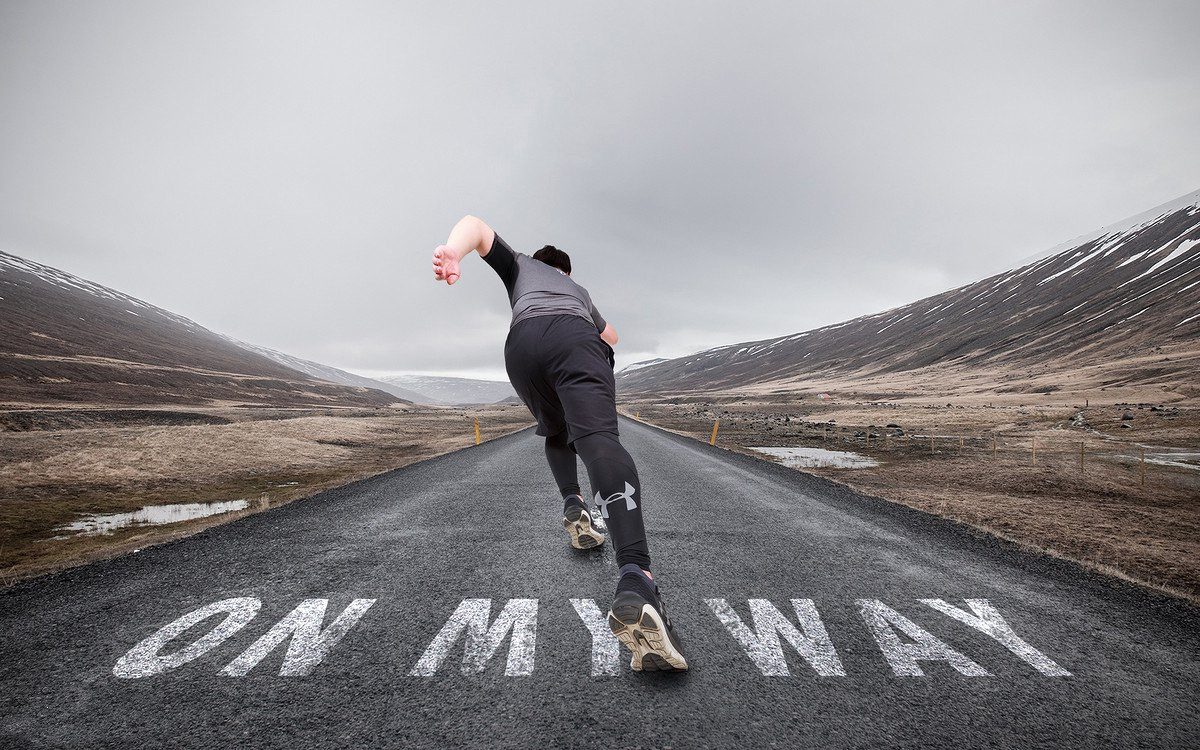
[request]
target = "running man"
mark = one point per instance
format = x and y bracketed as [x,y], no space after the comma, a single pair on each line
[558,358]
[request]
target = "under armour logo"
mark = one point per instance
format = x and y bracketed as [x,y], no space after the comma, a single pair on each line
[627,495]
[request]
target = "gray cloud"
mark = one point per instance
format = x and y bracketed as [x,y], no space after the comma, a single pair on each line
[282,171]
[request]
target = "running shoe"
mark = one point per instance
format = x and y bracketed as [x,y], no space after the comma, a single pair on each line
[579,525]
[639,620]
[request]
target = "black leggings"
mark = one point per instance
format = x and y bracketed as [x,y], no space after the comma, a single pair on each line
[615,488]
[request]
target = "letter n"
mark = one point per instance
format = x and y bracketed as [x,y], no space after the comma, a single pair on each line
[309,645]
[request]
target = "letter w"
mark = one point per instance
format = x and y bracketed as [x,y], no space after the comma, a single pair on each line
[518,615]
[762,643]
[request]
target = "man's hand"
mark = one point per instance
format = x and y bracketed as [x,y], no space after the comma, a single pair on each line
[445,264]
[609,334]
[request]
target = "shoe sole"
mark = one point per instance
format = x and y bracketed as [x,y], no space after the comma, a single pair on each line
[638,626]
[578,524]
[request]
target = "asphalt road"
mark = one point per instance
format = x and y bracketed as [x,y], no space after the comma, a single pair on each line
[1055,656]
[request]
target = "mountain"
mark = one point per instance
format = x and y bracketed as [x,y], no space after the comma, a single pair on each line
[457,391]
[326,372]
[65,339]
[640,365]
[1121,305]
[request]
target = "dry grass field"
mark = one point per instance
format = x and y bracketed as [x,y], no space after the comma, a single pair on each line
[1007,464]
[57,465]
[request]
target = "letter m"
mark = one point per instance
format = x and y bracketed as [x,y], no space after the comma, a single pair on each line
[484,638]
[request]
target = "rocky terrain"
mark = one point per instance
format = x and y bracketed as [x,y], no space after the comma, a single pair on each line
[1110,486]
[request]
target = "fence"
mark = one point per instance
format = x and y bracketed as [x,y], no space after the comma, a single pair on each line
[1067,451]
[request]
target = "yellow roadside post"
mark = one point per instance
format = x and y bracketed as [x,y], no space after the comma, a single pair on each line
[713,440]
[477,431]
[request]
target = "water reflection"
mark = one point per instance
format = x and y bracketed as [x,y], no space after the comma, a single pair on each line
[811,458]
[151,515]
[1175,458]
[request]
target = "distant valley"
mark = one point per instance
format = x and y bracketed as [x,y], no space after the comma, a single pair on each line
[446,390]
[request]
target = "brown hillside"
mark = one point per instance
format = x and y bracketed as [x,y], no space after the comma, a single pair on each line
[64,339]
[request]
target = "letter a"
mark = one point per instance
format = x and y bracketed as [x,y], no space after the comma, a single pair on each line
[903,657]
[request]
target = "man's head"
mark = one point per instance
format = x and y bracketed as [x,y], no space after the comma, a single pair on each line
[552,256]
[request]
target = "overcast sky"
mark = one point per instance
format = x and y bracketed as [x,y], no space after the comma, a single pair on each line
[719,172]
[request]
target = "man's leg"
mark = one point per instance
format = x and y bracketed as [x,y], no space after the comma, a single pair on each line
[584,384]
[638,617]
[528,380]
[618,492]
[585,530]
[563,464]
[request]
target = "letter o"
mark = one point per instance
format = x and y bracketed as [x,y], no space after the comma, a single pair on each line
[144,659]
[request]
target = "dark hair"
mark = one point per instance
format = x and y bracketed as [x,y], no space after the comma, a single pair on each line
[552,256]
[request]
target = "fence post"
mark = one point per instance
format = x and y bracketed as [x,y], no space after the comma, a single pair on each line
[931,450]
[713,440]
[824,434]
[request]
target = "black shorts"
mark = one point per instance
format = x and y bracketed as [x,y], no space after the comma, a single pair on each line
[560,368]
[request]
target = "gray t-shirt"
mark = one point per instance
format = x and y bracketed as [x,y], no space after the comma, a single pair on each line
[536,288]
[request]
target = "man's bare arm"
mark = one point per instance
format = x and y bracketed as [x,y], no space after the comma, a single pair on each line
[609,335]
[470,233]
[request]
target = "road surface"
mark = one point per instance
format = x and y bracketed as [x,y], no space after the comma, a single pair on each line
[439,605]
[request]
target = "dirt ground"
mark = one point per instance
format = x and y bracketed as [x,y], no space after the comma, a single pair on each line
[1065,478]
[57,465]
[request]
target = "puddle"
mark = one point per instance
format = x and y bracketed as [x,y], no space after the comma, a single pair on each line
[151,515]
[811,458]
[1179,460]
[1158,455]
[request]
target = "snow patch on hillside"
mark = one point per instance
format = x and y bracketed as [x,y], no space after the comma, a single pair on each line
[64,280]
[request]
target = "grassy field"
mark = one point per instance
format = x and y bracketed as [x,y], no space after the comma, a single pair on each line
[58,465]
[1012,469]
